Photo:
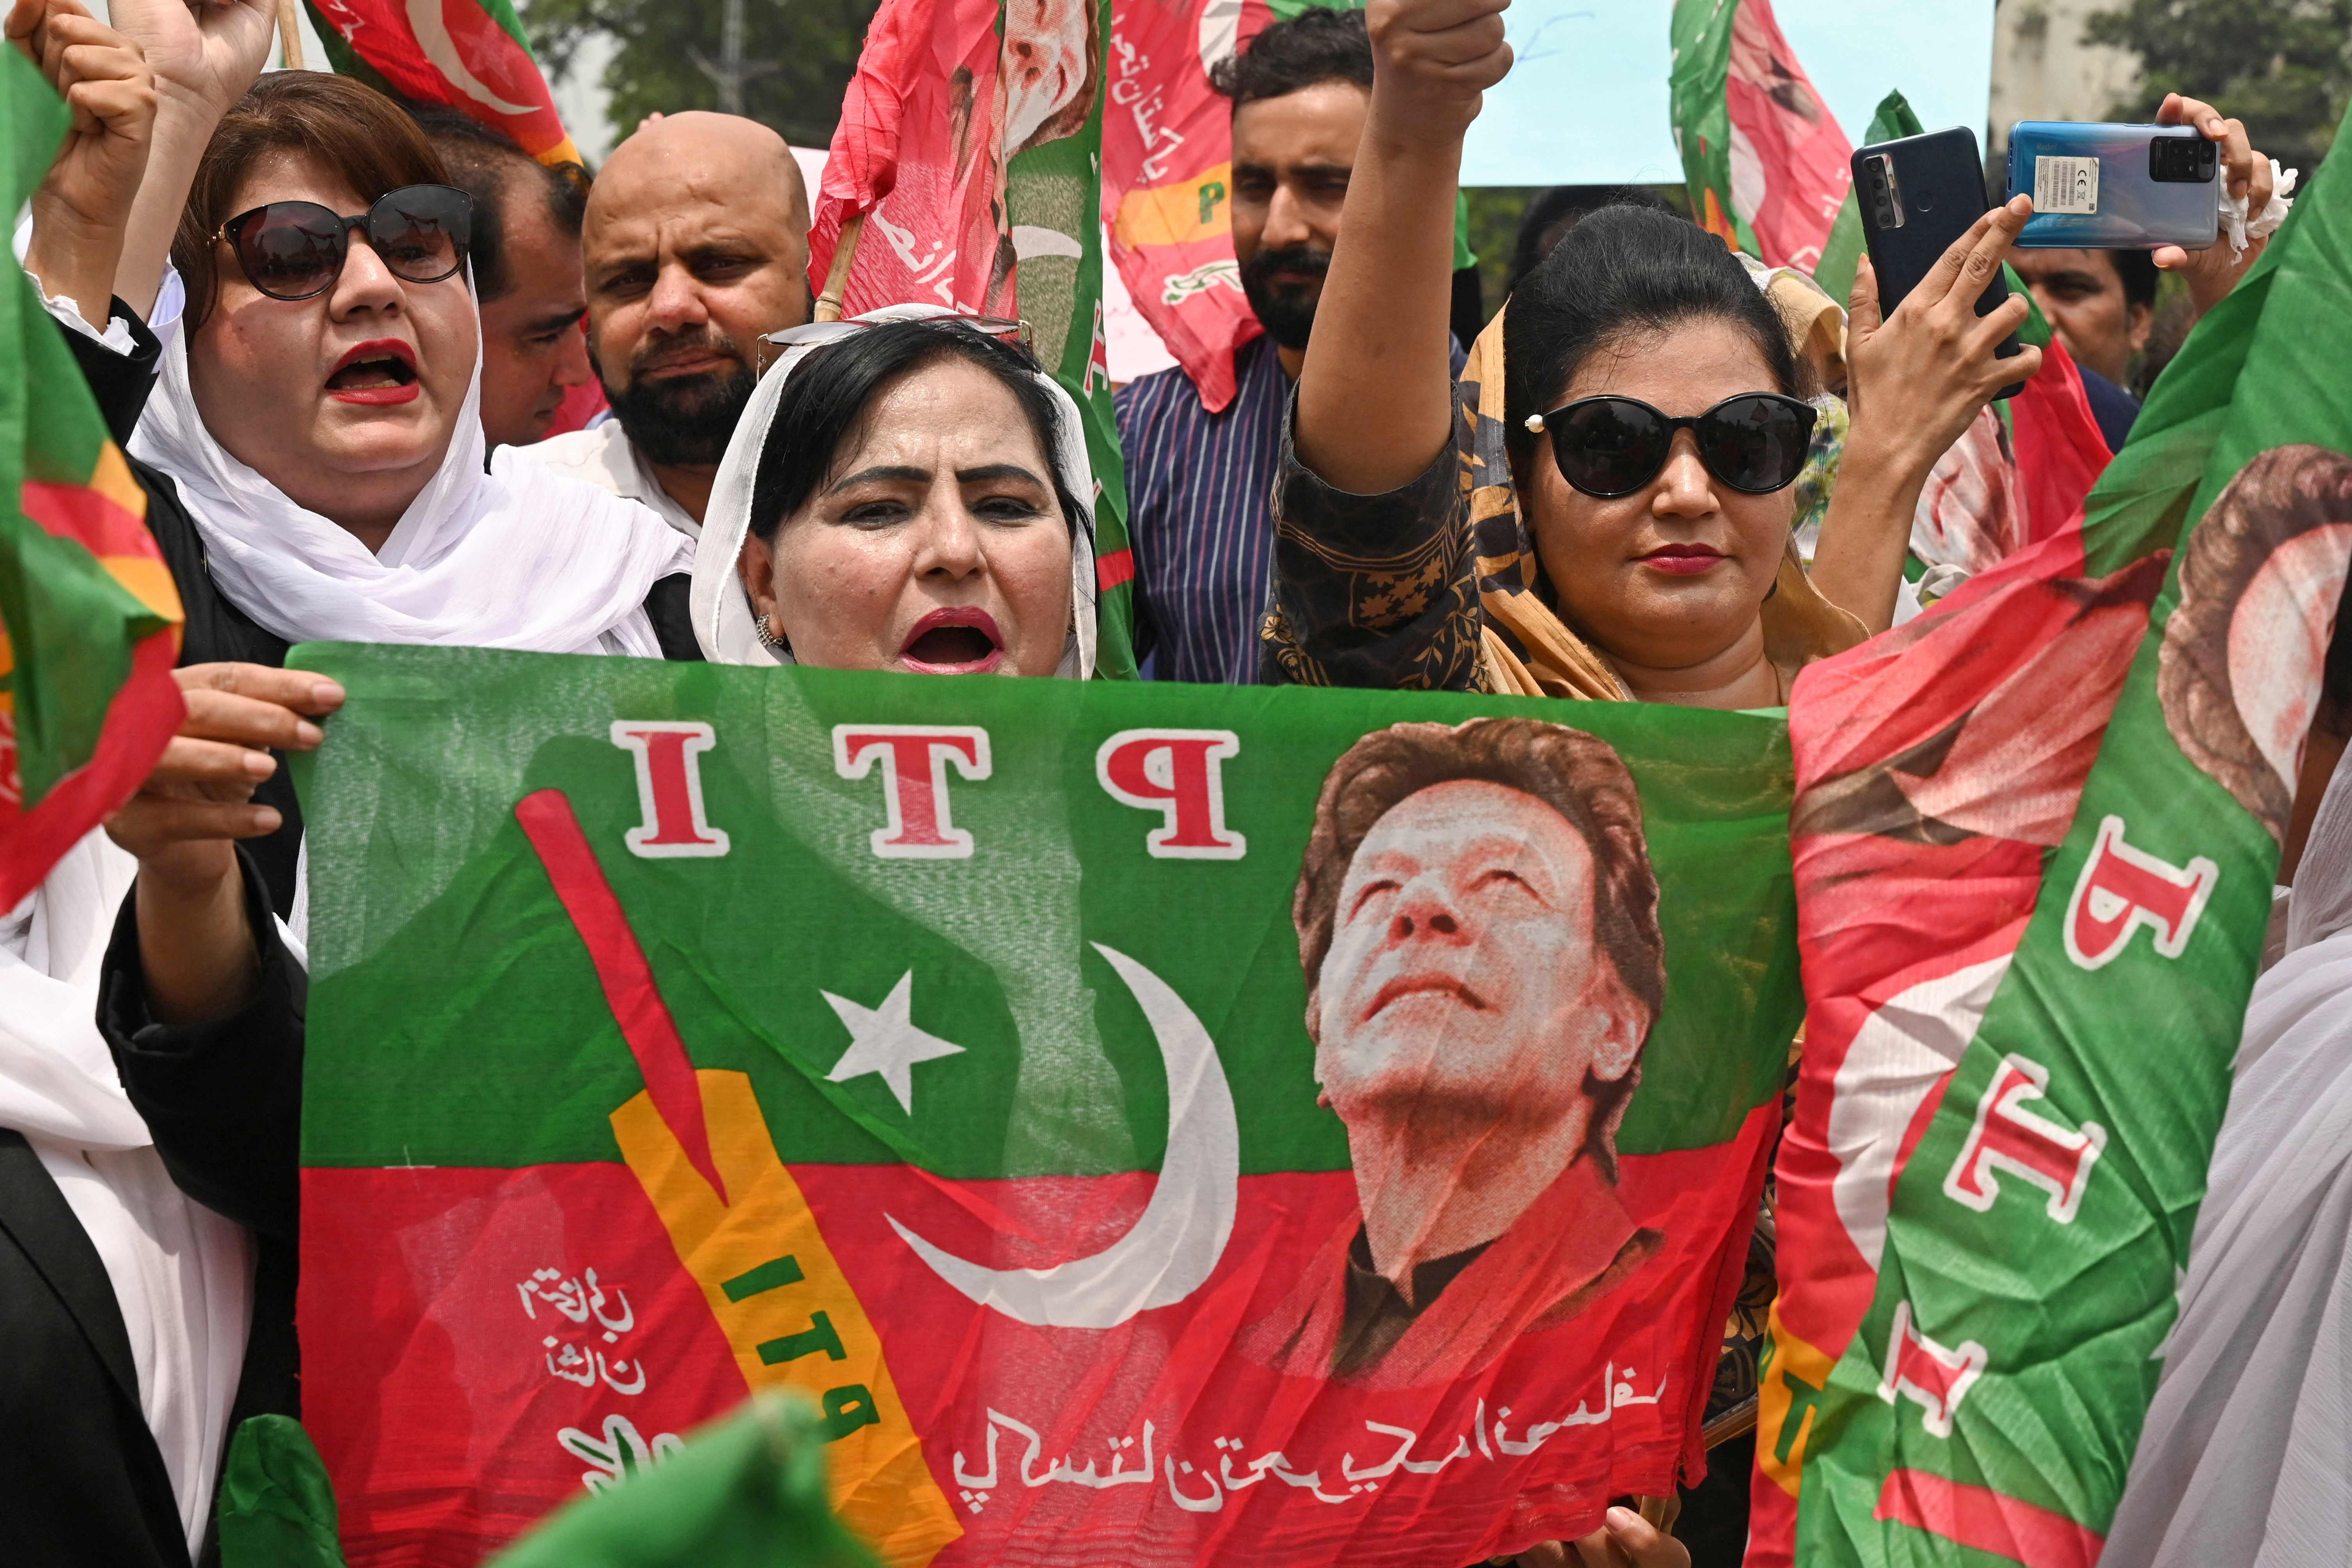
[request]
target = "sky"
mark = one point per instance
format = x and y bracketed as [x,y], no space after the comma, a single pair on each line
[1586,101]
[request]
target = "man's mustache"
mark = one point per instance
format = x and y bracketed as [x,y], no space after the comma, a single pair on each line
[1295,264]
[670,350]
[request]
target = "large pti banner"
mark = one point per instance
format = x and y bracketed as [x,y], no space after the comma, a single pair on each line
[1155,1124]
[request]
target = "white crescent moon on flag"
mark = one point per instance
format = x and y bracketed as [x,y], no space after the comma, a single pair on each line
[432,30]
[1171,1249]
[1899,1055]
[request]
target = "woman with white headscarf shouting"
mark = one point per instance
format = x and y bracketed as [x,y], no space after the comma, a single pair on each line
[907,491]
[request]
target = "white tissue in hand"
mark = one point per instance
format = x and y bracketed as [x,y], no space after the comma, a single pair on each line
[2238,227]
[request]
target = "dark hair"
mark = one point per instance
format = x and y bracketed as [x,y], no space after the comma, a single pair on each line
[487,163]
[356,132]
[824,405]
[1626,269]
[1317,46]
[1553,213]
[1580,776]
[2137,271]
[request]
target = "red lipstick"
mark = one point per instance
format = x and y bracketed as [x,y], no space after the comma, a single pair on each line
[1684,560]
[376,374]
[961,641]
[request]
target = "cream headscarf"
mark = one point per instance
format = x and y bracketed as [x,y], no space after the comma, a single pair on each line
[723,620]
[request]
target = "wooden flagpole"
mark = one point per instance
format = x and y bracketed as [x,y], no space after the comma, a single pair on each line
[836,276]
[289,33]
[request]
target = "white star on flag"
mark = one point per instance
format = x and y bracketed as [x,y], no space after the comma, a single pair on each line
[884,1040]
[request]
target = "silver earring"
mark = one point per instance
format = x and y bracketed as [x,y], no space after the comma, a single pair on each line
[766,635]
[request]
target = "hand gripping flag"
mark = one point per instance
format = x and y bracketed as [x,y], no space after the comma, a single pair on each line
[2034,834]
[968,166]
[1151,1126]
[89,619]
[471,55]
[1764,159]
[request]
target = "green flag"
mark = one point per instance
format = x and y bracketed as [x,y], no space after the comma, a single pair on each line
[88,618]
[747,1492]
[2036,832]
[1041,1076]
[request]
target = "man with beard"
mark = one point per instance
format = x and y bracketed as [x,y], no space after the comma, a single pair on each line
[1199,483]
[695,246]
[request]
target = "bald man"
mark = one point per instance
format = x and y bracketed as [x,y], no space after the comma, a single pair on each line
[695,246]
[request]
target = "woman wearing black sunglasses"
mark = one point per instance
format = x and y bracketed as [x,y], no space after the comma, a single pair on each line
[1605,510]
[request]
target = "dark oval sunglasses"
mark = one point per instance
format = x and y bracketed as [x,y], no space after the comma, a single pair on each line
[294,250]
[1611,447]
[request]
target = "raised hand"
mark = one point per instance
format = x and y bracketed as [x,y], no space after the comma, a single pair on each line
[205,53]
[80,209]
[1920,375]
[1434,60]
[2212,272]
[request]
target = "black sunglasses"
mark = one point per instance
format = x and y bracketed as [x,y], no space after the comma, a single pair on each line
[294,250]
[1610,446]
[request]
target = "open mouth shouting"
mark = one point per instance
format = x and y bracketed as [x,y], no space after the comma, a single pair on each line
[378,372]
[954,642]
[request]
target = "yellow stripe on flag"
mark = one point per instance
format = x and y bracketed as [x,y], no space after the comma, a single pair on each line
[788,1312]
[113,479]
[148,579]
[1793,1378]
[1177,214]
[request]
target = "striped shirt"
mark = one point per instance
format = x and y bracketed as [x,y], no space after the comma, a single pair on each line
[1199,515]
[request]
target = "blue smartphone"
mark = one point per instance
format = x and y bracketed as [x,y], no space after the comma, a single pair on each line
[1917,196]
[2116,187]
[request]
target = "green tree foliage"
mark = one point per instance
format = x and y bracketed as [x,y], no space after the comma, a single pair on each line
[801,55]
[2283,66]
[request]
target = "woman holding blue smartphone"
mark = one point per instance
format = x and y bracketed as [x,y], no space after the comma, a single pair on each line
[1606,511]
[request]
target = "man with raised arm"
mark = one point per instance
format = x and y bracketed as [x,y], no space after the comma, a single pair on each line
[1198,481]
[695,246]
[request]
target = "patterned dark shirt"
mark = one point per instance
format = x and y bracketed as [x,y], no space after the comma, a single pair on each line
[1200,498]
[1199,514]
[1379,590]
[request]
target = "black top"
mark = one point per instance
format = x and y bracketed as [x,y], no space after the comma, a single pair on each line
[216,630]
[84,1481]
[2111,405]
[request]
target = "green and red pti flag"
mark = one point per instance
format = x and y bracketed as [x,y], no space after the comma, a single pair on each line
[1765,161]
[1153,1125]
[89,619]
[471,55]
[970,145]
[2034,835]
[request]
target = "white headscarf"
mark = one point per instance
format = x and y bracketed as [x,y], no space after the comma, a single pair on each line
[513,558]
[182,1274]
[723,621]
[2246,1459]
